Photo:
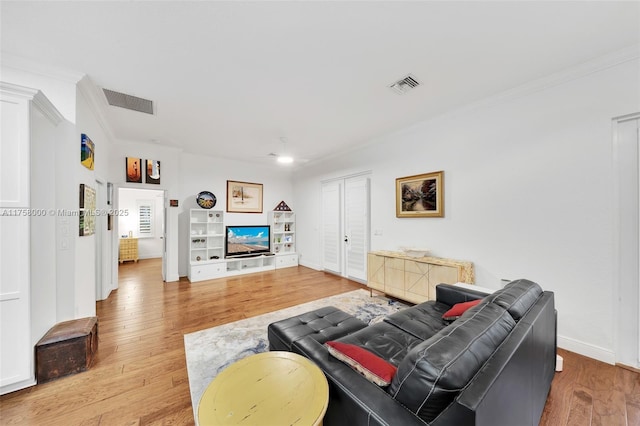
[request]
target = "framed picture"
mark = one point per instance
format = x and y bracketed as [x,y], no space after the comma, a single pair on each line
[153,172]
[244,197]
[87,225]
[87,152]
[420,195]
[133,169]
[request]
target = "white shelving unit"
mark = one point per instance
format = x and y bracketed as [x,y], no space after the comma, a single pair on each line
[283,238]
[206,235]
[206,250]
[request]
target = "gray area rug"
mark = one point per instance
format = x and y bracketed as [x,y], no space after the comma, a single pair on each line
[210,351]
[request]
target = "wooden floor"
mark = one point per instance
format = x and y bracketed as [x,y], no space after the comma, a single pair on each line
[140,378]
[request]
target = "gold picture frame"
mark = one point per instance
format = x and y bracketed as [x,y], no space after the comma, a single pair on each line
[420,195]
[244,197]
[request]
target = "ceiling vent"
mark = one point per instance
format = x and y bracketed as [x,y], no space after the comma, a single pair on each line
[404,85]
[133,103]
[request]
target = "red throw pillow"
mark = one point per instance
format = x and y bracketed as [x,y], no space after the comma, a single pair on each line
[371,366]
[458,309]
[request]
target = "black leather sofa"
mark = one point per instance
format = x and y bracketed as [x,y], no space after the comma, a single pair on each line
[492,366]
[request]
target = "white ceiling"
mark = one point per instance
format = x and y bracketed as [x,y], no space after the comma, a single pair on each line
[231,79]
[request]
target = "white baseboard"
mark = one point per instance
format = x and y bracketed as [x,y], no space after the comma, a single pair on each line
[150,256]
[586,349]
[310,265]
[172,278]
[17,386]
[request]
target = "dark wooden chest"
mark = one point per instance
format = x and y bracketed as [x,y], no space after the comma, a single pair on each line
[68,348]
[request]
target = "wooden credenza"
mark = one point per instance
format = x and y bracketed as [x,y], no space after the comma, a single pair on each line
[414,279]
[128,249]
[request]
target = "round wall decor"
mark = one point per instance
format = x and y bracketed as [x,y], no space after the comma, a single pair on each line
[206,200]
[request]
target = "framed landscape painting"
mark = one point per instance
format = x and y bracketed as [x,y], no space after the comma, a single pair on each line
[244,197]
[420,195]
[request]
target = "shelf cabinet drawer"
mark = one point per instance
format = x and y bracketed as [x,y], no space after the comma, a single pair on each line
[286,261]
[207,272]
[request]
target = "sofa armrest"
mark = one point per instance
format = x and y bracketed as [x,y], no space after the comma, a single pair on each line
[352,398]
[450,294]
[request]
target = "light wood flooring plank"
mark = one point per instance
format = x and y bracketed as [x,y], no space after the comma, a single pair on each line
[139,376]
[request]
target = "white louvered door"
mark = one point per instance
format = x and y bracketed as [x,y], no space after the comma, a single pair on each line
[332,227]
[345,227]
[356,225]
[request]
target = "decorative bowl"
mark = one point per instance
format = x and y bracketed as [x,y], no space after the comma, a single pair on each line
[414,252]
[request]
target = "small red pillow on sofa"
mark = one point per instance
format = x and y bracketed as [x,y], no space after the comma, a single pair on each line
[371,366]
[458,309]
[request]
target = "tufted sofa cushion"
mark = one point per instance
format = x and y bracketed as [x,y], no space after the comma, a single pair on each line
[435,371]
[383,340]
[423,320]
[517,297]
[323,324]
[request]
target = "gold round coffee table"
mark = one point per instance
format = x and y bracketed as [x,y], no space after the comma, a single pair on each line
[270,388]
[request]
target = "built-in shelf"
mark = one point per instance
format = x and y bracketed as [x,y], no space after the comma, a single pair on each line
[207,242]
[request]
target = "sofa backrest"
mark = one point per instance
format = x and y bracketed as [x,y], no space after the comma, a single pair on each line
[517,297]
[433,373]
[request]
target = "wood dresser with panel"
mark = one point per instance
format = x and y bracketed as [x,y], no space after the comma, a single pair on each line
[414,278]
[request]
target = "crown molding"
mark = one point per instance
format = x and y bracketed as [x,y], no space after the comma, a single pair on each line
[38,98]
[91,93]
[9,60]
[584,69]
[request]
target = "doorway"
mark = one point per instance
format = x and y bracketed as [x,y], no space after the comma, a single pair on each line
[345,226]
[144,221]
[626,150]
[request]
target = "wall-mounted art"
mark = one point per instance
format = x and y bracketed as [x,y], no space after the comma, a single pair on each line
[244,197]
[153,172]
[87,214]
[420,195]
[133,169]
[87,152]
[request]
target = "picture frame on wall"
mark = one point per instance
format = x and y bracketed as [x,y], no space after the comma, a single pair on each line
[87,152]
[133,169]
[152,172]
[420,195]
[87,216]
[244,197]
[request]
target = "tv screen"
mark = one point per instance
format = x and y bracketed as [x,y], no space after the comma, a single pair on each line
[247,240]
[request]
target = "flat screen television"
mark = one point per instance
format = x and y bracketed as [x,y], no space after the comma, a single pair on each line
[246,240]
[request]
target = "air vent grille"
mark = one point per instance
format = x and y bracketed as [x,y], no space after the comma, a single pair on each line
[404,85]
[133,103]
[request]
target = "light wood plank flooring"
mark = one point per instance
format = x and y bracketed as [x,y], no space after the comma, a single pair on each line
[140,378]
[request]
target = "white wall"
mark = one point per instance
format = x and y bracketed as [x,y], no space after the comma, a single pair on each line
[184,175]
[75,263]
[169,181]
[527,194]
[202,173]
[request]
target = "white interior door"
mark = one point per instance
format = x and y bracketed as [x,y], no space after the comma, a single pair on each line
[345,226]
[101,226]
[164,236]
[332,227]
[356,225]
